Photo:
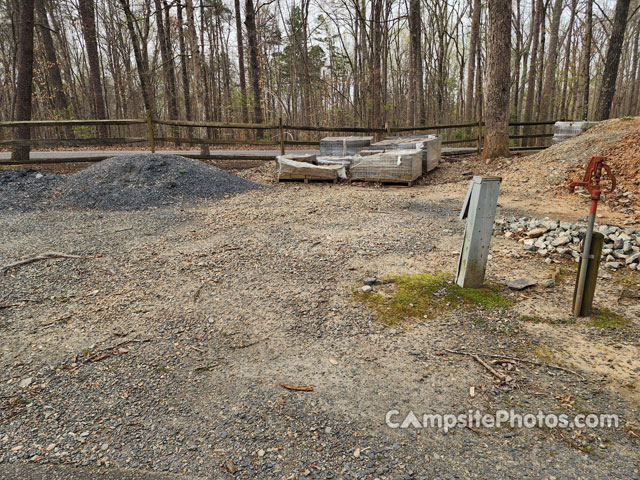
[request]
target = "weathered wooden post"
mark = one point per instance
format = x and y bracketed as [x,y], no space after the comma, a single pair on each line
[152,140]
[479,209]
[591,277]
[281,131]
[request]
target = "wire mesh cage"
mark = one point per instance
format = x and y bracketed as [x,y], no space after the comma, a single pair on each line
[343,146]
[429,145]
[287,169]
[398,166]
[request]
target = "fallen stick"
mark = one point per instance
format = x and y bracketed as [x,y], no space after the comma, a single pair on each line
[37,258]
[297,388]
[540,364]
[110,351]
[517,359]
[9,305]
[244,345]
[196,295]
[61,319]
[208,368]
[493,372]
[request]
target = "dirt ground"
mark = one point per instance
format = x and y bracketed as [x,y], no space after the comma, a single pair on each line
[162,351]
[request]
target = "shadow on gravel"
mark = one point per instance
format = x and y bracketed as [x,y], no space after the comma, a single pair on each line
[25,471]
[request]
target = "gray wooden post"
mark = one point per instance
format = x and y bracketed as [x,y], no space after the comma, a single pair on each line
[479,209]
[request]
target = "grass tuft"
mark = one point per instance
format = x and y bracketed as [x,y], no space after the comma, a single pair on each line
[605,318]
[424,295]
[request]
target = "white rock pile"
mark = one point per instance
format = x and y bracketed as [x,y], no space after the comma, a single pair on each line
[547,237]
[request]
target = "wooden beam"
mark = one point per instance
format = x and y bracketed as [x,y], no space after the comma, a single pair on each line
[435,127]
[75,142]
[96,159]
[70,123]
[244,126]
[206,141]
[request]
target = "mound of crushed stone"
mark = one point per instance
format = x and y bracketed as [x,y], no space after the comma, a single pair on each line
[624,160]
[140,181]
[552,170]
[557,160]
[27,189]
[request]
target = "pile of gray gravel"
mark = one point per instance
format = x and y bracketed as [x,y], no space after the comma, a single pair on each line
[133,182]
[27,189]
[129,182]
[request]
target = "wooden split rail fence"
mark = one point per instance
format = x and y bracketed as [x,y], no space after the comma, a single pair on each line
[212,129]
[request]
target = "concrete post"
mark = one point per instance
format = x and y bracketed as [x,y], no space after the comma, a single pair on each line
[479,209]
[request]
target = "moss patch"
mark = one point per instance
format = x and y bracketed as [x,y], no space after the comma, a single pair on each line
[419,296]
[605,318]
[564,274]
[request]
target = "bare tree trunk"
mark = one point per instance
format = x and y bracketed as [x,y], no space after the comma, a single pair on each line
[415,23]
[243,81]
[471,66]
[496,142]
[254,66]
[376,74]
[88,18]
[564,101]
[516,62]
[422,113]
[167,63]
[548,89]
[24,87]
[54,77]
[143,68]
[533,61]
[198,67]
[186,83]
[585,73]
[631,105]
[612,61]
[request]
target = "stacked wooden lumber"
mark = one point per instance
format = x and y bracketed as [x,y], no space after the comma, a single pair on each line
[398,166]
[343,146]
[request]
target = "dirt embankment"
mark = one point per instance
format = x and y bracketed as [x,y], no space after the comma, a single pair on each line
[554,168]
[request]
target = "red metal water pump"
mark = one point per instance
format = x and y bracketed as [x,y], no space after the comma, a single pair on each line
[591,183]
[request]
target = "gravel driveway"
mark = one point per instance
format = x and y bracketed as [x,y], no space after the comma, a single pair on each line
[162,351]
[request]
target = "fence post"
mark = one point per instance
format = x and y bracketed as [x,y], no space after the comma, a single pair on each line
[388,128]
[281,131]
[152,140]
[480,136]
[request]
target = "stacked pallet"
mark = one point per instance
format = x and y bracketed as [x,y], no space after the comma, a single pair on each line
[398,166]
[564,130]
[429,145]
[343,146]
[287,169]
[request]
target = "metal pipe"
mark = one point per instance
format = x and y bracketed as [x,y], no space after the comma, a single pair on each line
[586,254]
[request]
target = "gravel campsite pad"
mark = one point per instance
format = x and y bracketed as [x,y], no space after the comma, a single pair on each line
[229,338]
[127,182]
